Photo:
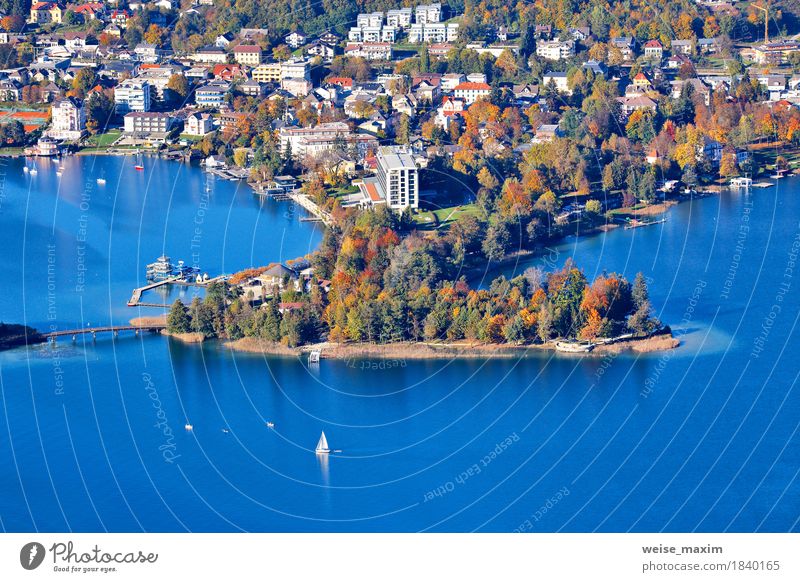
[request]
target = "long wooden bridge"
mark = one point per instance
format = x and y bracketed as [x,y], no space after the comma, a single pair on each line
[115,329]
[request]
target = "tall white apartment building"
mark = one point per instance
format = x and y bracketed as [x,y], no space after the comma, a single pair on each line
[132,95]
[398,177]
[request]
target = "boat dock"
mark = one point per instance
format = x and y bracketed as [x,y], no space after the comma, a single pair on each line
[640,223]
[229,173]
[136,296]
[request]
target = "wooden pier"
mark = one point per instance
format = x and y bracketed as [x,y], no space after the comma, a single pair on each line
[136,297]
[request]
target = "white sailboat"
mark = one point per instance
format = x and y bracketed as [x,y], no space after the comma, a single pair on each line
[322,445]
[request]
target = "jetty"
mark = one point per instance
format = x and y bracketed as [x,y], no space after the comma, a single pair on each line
[641,223]
[136,296]
[228,173]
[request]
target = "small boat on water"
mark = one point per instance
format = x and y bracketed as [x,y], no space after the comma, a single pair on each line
[574,347]
[270,424]
[58,173]
[188,427]
[322,445]
[26,169]
[34,171]
[138,167]
[313,357]
[101,181]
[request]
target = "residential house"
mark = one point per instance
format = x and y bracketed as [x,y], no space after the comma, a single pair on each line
[198,124]
[68,119]
[555,50]
[149,124]
[677,61]
[545,133]
[451,80]
[439,50]
[120,18]
[558,80]
[10,90]
[471,92]
[320,49]
[629,104]
[372,51]
[296,39]
[91,11]
[399,18]
[654,50]
[626,45]
[209,55]
[223,41]
[228,72]
[211,95]
[526,94]
[45,13]
[247,54]
[297,86]
[450,108]
[774,84]
[146,52]
[406,104]
[698,88]
[579,33]
[253,88]
[707,45]
[682,47]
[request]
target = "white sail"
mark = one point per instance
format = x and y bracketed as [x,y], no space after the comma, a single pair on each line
[322,445]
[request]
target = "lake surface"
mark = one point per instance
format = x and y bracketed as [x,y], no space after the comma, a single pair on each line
[703,438]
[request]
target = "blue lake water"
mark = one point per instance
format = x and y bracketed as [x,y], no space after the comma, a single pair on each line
[703,438]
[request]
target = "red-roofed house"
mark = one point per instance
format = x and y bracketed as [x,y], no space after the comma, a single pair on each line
[120,18]
[471,92]
[640,81]
[91,10]
[344,82]
[653,49]
[228,72]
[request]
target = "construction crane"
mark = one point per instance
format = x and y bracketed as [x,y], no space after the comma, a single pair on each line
[766,19]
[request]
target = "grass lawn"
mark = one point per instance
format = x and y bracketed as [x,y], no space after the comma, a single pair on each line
[103,140]
[343,191]
[11,151]
[767,154]
[445,216]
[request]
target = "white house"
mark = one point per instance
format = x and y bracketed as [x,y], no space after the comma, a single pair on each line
[471,92]
[68,119]
[198,124]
